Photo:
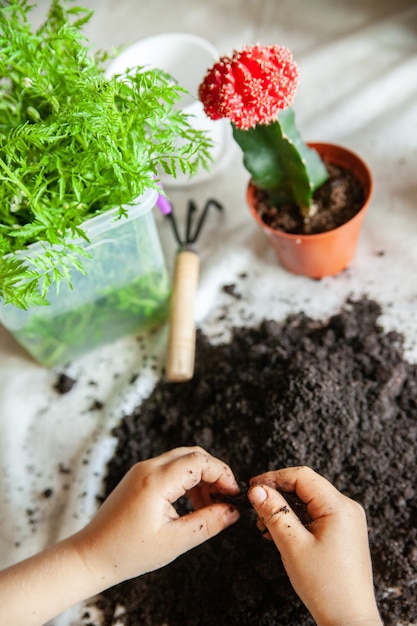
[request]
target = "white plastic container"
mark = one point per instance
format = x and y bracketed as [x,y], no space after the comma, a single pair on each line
[125,289]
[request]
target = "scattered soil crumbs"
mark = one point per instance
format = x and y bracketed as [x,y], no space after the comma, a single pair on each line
[64,383]
[335,395]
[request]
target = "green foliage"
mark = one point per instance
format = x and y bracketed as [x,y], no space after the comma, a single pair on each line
[280,162]
[74,143]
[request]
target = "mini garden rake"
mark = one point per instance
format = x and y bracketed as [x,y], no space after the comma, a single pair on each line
[181,338]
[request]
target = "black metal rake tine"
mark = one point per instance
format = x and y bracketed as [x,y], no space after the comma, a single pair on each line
[191,210]
[173,221]
[202,219]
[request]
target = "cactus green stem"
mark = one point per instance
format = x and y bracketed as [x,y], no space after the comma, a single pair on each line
[281,163]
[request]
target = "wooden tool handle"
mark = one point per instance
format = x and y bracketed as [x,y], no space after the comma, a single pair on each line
[181,338]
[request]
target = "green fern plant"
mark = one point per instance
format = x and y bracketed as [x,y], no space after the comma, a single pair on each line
[74,144]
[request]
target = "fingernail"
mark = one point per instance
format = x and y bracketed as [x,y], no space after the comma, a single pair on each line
[257,495]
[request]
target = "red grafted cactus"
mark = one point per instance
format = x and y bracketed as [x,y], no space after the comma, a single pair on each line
[254,89]
[251,86]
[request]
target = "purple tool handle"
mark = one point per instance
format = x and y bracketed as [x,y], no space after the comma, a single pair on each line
[163,204]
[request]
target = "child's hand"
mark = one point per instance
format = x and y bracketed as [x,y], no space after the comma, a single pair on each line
[137,529]
[328,563]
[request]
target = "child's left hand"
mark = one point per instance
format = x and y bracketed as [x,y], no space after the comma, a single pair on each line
[138,530]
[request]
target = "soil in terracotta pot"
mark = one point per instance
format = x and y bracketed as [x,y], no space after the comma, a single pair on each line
[335,202]
[337,395]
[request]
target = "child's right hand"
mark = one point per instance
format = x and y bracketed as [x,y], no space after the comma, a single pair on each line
[328,562]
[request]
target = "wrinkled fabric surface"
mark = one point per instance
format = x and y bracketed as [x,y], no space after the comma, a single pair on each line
[357,87]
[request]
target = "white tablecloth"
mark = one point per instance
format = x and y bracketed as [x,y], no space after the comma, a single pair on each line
[358,87]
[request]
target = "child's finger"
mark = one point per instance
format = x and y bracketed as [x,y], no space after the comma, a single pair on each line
[191,530]
[320,496]
[190,469]
[282,523]
[175,453]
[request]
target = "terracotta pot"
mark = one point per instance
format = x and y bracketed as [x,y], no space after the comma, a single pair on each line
[328,253]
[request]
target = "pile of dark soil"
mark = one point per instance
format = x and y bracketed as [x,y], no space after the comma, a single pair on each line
[336,395]
[336,202]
